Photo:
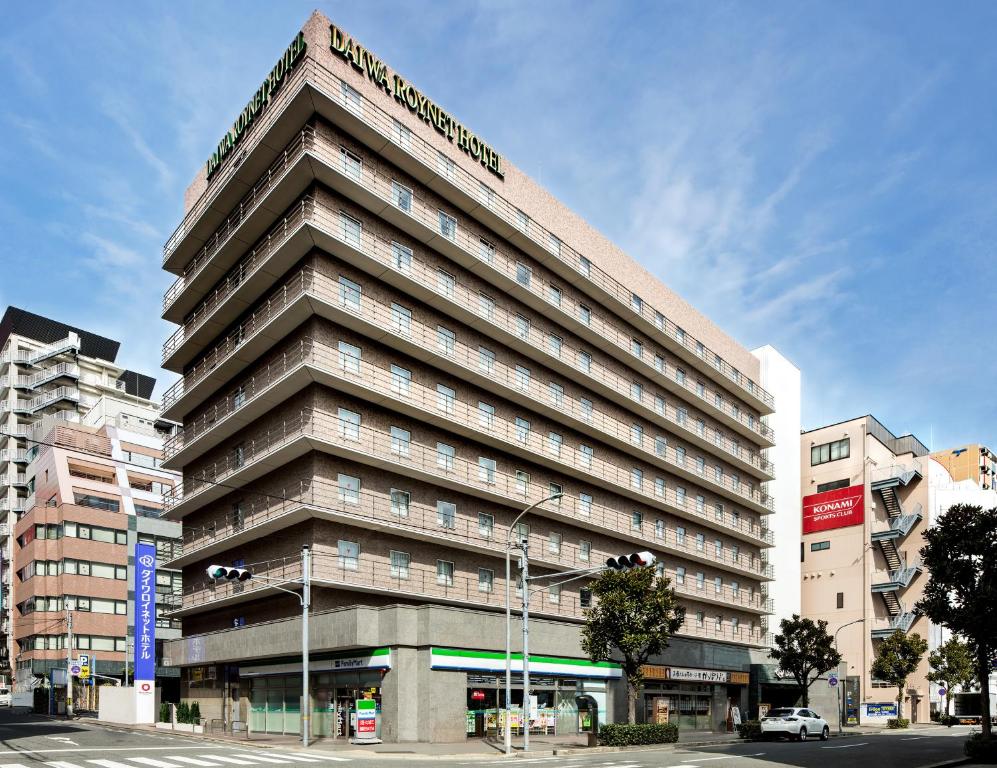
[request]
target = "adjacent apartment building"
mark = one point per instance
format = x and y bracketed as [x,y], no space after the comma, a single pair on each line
[95,490]
[970,462]
[391,341]
[865,498]
[48,371]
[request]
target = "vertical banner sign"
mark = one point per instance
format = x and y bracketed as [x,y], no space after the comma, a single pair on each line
[145,633]
[839,508]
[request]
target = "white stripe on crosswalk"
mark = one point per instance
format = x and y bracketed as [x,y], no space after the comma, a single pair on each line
[192,761]
[61,764]
[263,758]
[151,761]
[300,758]
[109,764]
[228,759]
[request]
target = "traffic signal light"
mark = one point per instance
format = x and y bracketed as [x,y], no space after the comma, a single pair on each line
[216,572]
[626,562]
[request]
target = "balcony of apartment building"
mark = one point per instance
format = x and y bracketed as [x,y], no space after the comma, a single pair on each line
[287,242]
[313,88]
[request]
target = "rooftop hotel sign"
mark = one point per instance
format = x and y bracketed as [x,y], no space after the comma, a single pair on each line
[429,112]
[834,509]
[279,73]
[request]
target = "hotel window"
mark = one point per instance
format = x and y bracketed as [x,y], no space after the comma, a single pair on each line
[751,421]
[446,340]
[486,525]
[735,625]
[585,406]
[554,543]
[402,257]
[681,414]
[352,99]
[680,335]
[349,489]
[735,483]
[238,398]
[700,580]
[486,470]
[735,518]
[584,551]
[554,343]
[659,404]
[486,194]
[718,511]
[636,303]
[821,454]
[820,546]
[735,589]
[584,504]
[486,415]
[735,553]
[659,529]
[585,314]
[522,482]
[401,134]
[584,266]
[659,363]
[446,167]
[522,378]
[554,594]
[680,456]
[718,400]
[522,429]
[700,505]
[718,623]
[444,456]
[680,574]
[352,164]
[522,220]
[585,361]
[659,486]
[401,196]
[552,490]
[400,501]
[554,295]
[523,274]
[699,618]
[700,427]
[680,535]
[522,531]
[556,394]
[718,585]
[636,349]
[637,391]
[636,520]
[553,245]
[718,473]
[486,360]
[554,442]
[659,320]
[445,283]
[349,555]
[636,434]
[352,229]
[523,327]
[718,549]
[700,542]
[349,293]
[444,573]
[700,389]
[680,495]
[486,251]
[445,398]
[446,514]
[401,381]
[486,306]
[401,318]
[486,579]
[680,376]
[238,459]
[636,478]
[700,465]
[735,411]
[349,424]
[401,442]
[400,564]
[585,456]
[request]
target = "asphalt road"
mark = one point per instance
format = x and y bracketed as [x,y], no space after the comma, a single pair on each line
[31,742]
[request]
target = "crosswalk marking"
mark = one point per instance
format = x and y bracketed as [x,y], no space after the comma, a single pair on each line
[263,758]
[228,759]
[192,761]
[300,758]
[150,761]
[61,764]
[109,764]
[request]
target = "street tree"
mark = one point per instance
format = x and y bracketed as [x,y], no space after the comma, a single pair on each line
[951,664]
[635,616]
[961,558]
[898,657]
[805,650]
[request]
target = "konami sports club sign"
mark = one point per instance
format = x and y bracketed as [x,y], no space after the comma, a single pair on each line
[839,508]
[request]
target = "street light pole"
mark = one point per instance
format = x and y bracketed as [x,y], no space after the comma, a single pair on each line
[306,599]
[526,645]
[508,620]
[840,683]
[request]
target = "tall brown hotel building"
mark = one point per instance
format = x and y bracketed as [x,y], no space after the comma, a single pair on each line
[391,342]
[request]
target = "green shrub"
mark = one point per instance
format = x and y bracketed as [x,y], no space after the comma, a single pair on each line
[948,720]
[897,722]
[195,713]
[981,750]
[164,712]
[183,712]
[751,730]
[626,735]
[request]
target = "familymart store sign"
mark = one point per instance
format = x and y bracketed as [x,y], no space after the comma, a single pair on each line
[490,661]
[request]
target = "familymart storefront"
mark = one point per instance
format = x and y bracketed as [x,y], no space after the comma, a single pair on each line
[560,689]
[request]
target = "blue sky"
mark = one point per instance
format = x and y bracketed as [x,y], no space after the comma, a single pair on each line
[818,176]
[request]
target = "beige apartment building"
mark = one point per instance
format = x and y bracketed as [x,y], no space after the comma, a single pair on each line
[391,342]
[865,497]
[970,462]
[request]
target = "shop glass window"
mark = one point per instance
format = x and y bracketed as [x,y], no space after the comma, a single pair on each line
[400,562]
[444,573]
[349,555]
[400,501]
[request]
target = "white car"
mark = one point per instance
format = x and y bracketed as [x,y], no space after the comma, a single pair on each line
[794,723]
[4,697]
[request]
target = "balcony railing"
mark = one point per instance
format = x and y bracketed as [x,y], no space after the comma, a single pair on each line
[425,403]
[427,154]
[424,461]
[369,574]
[403,516]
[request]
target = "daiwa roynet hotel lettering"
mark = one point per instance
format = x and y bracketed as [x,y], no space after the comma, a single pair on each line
[390,342]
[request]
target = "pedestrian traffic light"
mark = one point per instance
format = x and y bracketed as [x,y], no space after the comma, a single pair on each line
[626,562]
[216,572]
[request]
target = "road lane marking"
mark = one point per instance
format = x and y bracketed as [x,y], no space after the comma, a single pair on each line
[190,761]
[915,738]
[848,746]
[704,759]
[152,762]
[95,749]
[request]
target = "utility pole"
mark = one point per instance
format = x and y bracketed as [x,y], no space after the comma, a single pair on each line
[526,644]
[841,682]
[69,663]
[306,599]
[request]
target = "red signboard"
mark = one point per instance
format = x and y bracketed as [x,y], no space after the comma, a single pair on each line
[834,509]
[477,695]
